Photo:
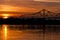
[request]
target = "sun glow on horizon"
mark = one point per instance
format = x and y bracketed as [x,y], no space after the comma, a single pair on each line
[5,16]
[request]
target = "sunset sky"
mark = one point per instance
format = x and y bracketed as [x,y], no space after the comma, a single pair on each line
[29,5]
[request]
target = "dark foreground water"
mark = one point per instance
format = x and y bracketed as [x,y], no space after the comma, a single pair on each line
[15,32]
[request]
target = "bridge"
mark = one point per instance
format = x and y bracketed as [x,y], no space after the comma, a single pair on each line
[43,14]
[40,17]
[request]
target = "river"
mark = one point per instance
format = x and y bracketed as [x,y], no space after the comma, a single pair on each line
[8,33]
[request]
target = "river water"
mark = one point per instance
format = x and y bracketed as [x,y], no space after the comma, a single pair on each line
[11,32]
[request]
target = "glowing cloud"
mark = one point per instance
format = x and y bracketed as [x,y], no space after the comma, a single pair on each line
[15,8]
[39,0]
[8,8]
[48,0]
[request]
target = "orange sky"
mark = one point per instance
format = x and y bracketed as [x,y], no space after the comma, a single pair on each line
[49,0]
[16,8]
[29,6]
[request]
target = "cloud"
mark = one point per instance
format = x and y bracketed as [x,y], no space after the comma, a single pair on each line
[29,3]
[48,0]
[53,0]
[32,4]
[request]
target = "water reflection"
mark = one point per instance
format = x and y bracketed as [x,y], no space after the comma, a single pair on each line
[4,28]
[20,32]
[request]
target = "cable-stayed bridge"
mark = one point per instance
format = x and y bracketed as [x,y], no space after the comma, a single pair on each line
[40,17]
[43,14]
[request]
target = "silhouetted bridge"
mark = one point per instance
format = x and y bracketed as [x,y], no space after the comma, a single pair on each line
[44,17]
[44,14]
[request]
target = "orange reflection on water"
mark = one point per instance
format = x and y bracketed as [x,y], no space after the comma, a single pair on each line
[4,27]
